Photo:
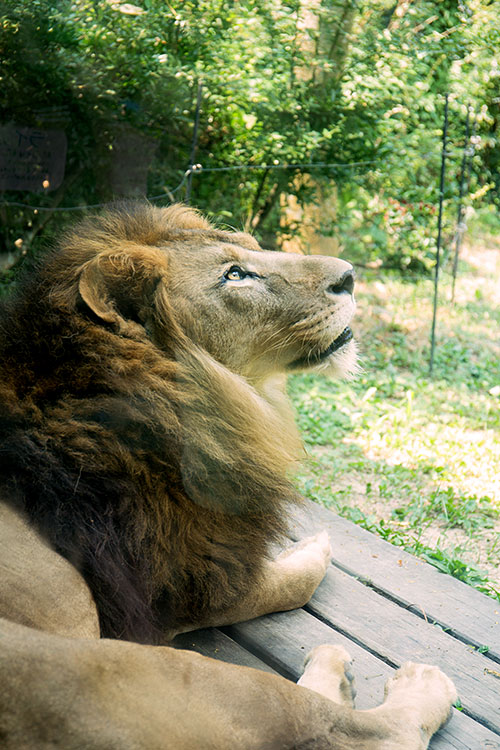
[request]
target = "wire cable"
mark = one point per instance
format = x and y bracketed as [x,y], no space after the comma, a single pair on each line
[197,169]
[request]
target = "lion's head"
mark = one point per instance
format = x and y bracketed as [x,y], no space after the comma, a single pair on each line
[256,312]
[143,416]
[261,313]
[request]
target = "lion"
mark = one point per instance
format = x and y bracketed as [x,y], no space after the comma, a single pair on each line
[146,445]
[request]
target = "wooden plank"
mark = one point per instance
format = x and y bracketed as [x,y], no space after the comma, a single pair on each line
[284,639]
[396,635]
[470,615]
[213,643]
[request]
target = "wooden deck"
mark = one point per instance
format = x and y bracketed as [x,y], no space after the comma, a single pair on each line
[386,607]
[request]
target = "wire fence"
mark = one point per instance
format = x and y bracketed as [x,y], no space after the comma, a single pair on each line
[197,170]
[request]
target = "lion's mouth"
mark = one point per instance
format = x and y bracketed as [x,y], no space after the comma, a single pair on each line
[316,358]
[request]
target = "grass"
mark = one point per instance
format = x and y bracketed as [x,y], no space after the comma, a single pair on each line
[412,458]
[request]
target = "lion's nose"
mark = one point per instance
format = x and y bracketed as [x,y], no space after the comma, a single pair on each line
[344,284]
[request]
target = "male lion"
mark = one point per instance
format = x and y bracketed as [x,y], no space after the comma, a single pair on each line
[145,442]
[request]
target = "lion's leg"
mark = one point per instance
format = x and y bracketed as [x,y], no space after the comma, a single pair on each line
[287,582]
[328,671]
[38,587]
[294,575]
[113,695]
[418,701]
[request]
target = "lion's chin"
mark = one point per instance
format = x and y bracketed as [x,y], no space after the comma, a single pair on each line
[338,360]
[341,364]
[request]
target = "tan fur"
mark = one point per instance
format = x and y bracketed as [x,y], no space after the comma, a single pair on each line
[147,438]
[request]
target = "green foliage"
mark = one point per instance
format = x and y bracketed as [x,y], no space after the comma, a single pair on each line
[284,82]
[401,71]
[469,513]
[116,70]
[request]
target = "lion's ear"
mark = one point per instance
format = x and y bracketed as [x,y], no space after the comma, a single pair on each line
[119,288]
[94,293]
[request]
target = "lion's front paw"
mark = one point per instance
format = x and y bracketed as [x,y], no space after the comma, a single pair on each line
[423,691]
[328,670]
[313,549]
[305,564]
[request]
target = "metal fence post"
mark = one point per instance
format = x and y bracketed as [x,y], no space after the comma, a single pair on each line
[440,225]
[194,142]
[464,185]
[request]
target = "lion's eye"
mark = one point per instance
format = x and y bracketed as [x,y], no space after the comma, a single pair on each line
[235,273]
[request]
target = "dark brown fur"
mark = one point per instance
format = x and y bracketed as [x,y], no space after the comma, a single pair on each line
[115,437]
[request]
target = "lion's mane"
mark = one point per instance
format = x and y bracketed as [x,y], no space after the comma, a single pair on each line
[156,471]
